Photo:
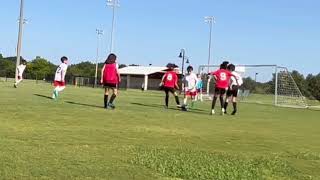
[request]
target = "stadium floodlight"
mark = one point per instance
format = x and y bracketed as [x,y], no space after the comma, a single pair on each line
[19,44]
[99,34]
[210,20]
[113,4]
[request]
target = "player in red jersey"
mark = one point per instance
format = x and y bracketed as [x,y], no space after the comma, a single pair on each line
[169,83]
[222,78]
[110,78]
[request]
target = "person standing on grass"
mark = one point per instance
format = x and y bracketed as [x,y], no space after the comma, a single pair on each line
[232,93]
[189,84]
[20,70]
[59,79]
[110,79]
[169,83]
[222,78]
[199,87]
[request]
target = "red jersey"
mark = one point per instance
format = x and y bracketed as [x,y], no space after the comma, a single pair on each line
[170,79]
[110,74]
[223,78]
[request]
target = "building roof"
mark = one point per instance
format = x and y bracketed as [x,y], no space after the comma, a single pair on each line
[141,70]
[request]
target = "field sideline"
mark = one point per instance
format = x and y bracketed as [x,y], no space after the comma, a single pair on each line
[74,138]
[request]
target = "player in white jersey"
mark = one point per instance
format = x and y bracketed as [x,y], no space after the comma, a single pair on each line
[235,82]
[190,88]
[20,70]
[59,79]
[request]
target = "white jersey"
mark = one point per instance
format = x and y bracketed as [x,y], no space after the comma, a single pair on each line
[233,80]
[190,81]
[21,69]
[61,72]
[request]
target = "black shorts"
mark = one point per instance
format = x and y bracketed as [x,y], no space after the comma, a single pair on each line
[169,89]
[219,91]
[233,91]
[110,85]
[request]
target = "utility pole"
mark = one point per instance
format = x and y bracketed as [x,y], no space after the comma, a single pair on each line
[113,4]
[19,45]
[210,20]
[99,34]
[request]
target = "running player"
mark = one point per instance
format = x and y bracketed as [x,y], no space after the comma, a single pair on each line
[189,84]
[20,70]
[199,87]
[232,93]
[222,78]
[59,79]
[110,78]
[169,83]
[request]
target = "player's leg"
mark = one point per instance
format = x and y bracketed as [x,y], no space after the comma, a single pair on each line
[214,101]
[106,96]
[234,101]
[193,99]
[113,97]
[228,99]
[176,97]
[167,97]
[19,79]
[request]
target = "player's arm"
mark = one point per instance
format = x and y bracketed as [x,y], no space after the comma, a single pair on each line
[235,77]
[119,75]
[102,74]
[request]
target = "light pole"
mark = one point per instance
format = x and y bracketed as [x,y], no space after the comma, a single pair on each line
[209,20]
[19,45]
[113,4]
[99,34]
[255,77]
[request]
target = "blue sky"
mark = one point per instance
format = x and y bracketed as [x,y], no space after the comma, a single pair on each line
[283,32]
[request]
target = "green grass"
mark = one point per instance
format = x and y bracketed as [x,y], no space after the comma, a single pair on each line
[74,138]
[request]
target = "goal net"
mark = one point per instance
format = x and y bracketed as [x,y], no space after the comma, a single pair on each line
[263,84]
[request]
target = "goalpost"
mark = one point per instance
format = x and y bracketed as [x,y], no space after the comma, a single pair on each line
[263,84]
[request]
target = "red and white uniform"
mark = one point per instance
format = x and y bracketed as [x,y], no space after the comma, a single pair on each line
[190,82]
[222,78]
[59,79]
[21,69]
[111,74]
[236,80]
[170,79]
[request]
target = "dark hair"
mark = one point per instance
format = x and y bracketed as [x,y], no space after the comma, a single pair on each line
[225,62]
[231,67]
[64,58]
[24,62]
[171,66]
[111,59]
[189,68]
[223,66]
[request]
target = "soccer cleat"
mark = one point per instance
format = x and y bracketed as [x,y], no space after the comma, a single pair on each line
[112,106]
[15,85]
[222,111]
[56,94]
[234,113]
[212,112]
[179,106]
[166,107]
[184,108]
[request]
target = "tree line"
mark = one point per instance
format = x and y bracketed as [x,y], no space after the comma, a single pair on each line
[42,69]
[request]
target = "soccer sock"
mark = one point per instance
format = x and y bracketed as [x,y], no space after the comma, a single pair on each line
[18,81]
[221,102]
[167,100]
[214,102]
[185,101]
[113,97]
[177,100]
[235,106]
[226,105]
[105,101]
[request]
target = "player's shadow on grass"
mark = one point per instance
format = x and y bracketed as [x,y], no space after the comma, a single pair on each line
[43,96]
[162,106]
[81,104]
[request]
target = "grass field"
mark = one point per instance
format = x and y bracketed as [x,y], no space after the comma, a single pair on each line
[74,138]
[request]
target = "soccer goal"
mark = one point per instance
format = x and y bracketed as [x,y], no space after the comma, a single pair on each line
[263,84]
